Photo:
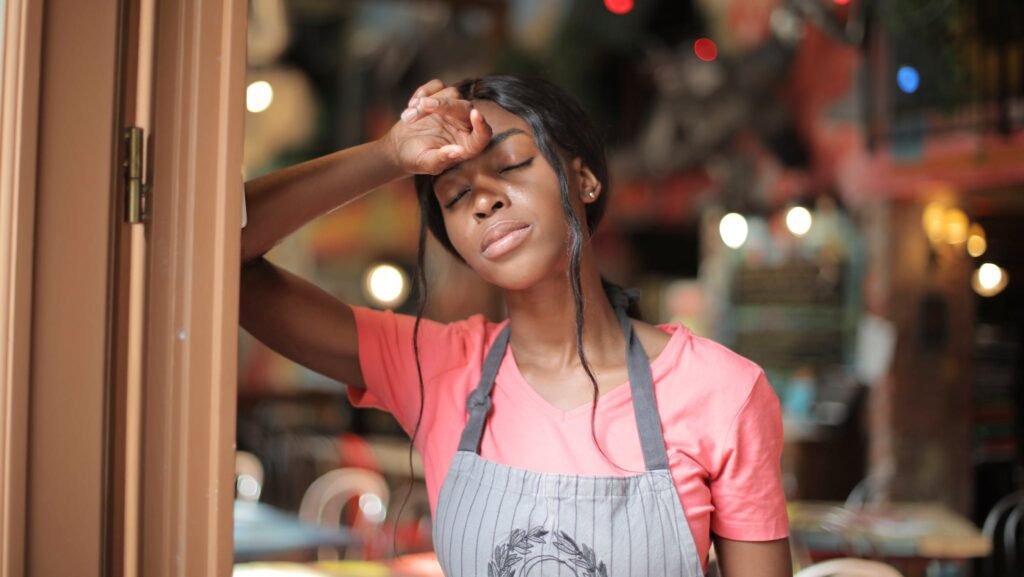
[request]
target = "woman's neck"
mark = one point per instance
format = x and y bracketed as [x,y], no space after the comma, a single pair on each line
[543,323]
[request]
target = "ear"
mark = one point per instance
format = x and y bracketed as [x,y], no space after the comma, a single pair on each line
[589,185]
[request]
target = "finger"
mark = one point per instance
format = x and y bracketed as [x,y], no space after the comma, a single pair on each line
[410,115]
[481,131]
[449,92]
[427,89]
[455,111]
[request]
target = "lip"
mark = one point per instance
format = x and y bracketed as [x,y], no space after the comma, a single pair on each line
[502,237]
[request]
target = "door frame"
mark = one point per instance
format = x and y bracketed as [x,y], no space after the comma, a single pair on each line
[194,238]
[67,349]
[19,104]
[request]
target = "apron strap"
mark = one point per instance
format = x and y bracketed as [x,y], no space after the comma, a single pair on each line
[479,402]
[641,385]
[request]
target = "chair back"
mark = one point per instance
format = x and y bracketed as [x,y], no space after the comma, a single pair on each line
[324,501]
[1002,527]
[849,567]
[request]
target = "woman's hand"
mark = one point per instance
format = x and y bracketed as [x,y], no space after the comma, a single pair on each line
[438,130]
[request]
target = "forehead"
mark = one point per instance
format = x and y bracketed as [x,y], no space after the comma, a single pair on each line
[499,118]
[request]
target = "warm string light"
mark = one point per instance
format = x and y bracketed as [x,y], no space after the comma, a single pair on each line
[949,226]
[944,226]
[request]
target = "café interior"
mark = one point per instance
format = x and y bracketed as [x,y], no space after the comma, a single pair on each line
[831,188]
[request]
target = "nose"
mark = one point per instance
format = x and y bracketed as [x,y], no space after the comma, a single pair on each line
[486,202]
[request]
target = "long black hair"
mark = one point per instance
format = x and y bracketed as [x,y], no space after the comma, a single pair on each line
[560,127]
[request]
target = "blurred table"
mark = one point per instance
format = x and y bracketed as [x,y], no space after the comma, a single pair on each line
[926,531]
[262,531]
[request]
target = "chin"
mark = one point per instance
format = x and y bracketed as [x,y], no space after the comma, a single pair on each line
[523,271]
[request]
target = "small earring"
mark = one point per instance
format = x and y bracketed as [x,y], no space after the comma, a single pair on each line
[590,193]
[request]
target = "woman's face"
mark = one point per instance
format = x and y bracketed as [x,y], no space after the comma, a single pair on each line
[502,209]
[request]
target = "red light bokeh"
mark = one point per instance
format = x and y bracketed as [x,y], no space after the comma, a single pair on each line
[705,49]
[618,6]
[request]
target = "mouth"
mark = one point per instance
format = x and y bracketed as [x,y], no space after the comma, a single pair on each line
[503,237]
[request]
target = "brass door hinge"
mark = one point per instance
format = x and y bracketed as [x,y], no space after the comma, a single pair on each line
[136,190]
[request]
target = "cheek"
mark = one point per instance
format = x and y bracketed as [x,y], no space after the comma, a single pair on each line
[455,236]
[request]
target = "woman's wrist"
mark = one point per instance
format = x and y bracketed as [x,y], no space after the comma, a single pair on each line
[385,148]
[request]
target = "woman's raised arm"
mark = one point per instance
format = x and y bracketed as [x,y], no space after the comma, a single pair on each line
[290,314]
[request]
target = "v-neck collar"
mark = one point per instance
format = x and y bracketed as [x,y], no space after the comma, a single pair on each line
[510,375]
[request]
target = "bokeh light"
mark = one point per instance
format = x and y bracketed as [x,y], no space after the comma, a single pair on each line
[908,79]
[976,243]
[258,96]
[386,285]
[705,49]
[798,220]
[733,229]
[619,6]
[989,280]
[956,226]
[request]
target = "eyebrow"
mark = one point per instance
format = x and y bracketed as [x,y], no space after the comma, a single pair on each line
[495,141]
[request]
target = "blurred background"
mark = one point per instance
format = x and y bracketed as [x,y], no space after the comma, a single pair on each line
[832,188]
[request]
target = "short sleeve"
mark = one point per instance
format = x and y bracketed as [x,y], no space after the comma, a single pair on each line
[389,364]
[747,495]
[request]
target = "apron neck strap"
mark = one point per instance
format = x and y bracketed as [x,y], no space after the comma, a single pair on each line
[479,402]
[641,386]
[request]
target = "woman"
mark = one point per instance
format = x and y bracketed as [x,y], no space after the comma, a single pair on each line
[683,439]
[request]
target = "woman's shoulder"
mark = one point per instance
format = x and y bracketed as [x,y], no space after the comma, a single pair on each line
[653,338]
[476,334]
[706,367]
[441,343]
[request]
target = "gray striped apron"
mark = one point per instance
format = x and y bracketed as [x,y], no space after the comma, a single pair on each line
[503,521]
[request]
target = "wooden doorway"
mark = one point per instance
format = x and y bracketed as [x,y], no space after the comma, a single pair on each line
[117,388]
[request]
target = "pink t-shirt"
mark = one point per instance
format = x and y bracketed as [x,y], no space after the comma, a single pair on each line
[720,416]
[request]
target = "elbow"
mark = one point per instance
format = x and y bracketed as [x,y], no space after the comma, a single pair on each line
[251,251]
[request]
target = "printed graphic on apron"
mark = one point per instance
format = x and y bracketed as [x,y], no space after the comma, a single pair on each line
[579,557]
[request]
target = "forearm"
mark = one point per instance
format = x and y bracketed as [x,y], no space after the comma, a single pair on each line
[764,558]
[279,203]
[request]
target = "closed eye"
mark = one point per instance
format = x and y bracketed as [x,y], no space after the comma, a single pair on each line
[522,164]
[456,198]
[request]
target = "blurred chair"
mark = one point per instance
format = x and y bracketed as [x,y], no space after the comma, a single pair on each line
[248,476]
[849,567]
[325,501]
[1002,527]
